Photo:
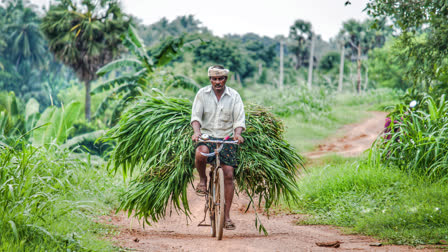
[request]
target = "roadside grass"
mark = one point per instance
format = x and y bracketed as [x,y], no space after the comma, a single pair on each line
[305,135]
[384,202]
[312,115]
[49,199]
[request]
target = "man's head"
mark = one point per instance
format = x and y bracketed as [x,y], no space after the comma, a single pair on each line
[218,77]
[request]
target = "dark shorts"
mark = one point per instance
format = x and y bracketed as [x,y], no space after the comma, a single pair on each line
[228,154]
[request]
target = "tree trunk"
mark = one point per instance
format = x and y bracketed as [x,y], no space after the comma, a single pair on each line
[311,62]
[341,69]
[87,107]
[366,82]
[358,84]
[260,69]
[280,81]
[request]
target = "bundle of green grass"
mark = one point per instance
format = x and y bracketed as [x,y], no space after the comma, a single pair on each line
[154,141]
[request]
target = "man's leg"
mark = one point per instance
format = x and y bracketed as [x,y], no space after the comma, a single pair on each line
[229,189]
[200,163]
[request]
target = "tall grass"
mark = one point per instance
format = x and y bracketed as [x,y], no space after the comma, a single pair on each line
[315,103]
[376,99]
[418,139]
[47,199]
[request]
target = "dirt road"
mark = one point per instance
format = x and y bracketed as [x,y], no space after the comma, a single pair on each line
[351,140]
[175,233]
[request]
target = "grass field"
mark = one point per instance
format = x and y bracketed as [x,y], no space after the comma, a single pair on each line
[375,200]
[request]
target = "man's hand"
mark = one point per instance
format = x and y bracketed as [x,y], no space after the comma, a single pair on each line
[197,131]
[195,137]
[238,138]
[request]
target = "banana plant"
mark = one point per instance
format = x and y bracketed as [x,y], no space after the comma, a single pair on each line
[143,66]
[56,124]
[15,122]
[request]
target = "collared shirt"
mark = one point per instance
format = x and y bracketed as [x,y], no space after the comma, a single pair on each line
[218,118]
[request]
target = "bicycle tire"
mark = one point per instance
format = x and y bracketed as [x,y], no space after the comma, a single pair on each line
[219,203]
[211,204]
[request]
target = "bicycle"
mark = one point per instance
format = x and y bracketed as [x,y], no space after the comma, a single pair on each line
[215,197]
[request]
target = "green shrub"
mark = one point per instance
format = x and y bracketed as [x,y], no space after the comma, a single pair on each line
[418,139]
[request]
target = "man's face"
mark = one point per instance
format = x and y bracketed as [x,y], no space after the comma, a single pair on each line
[218,82]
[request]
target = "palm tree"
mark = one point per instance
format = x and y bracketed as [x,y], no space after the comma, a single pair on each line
[300,32]
[143,65]
[85,37]
[22,47]
[25,40]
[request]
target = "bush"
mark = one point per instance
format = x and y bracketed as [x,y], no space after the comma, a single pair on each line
[418,139]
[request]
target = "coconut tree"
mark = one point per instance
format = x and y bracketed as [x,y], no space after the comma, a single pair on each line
[85,36]
[22,46]
[25,41]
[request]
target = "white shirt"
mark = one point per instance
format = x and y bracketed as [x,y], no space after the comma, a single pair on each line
[218,118]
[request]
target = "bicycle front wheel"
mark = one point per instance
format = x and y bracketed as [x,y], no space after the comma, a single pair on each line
[219,203]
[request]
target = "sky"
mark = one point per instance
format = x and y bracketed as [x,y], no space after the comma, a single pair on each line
[263,17]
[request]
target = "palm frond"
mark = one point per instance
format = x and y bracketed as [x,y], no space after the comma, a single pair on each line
[117,64]
[185,82]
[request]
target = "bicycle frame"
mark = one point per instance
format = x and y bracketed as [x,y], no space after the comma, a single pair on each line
[216,181]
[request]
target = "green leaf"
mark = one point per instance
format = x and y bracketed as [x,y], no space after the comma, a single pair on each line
[117,64]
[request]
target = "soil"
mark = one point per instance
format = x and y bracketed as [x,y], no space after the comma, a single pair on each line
[352,139]
[177,233]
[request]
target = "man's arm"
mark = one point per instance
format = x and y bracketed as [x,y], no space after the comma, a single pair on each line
[197,130]
[196,117]
[239,120]
[237,135]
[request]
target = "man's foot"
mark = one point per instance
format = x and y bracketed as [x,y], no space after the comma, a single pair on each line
[201,190]
[229,225]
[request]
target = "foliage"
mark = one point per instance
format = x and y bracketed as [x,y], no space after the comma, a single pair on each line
[310,104]
[226,53]
[55,124]
[164,29]
[382,99]
[418,142]
[375,200]
[300,32]
[385,70]
[154,137]
[15,119]
[85,37]
[428,55]
[142,75]
[48,199]
[330,61]
[25,62]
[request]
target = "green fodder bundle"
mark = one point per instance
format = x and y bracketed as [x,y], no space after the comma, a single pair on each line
[418,140]
[154,137]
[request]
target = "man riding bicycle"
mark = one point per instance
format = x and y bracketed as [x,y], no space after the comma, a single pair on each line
[218,111]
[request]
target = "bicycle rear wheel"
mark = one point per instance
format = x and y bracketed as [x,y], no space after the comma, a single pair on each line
[219,203]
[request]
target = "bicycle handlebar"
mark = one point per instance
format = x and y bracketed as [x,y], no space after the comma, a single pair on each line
[215,141]
[218,141]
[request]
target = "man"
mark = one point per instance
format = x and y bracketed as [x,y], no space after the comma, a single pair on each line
[218,111]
